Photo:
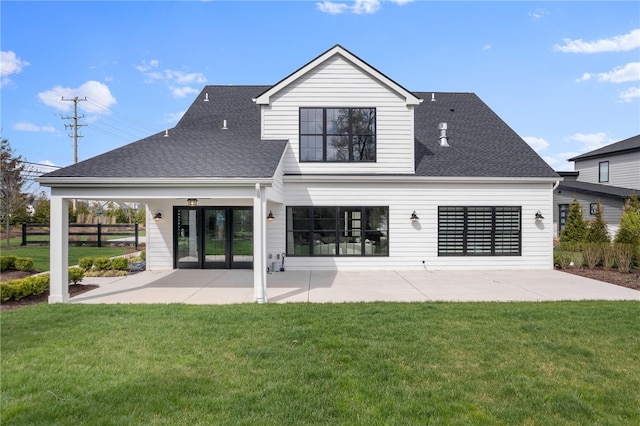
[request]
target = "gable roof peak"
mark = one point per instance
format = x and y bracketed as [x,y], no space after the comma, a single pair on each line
[264,98]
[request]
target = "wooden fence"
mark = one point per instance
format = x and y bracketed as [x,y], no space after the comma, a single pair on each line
[98,235]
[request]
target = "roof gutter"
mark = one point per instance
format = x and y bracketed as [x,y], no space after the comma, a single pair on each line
[84,182]
[414,179]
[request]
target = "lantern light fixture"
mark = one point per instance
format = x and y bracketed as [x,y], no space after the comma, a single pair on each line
[192,202]
[414,217]
[270,217]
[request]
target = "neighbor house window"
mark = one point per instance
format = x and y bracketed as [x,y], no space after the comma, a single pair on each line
[563,211]
[337,134]
[337,231]
[479,231]
[603,171]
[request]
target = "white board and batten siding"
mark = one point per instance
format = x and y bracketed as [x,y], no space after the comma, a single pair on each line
[624,170]
[160,233]
[338,83]
[412,243]
[159,254]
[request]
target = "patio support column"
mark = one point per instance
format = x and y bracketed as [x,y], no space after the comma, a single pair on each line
[59,250]
[259,246]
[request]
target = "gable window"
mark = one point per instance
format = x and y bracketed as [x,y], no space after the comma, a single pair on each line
[479,231]
[337,231]
[337,134]
[603,171]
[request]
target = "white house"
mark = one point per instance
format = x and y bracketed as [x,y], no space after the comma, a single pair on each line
[335,167]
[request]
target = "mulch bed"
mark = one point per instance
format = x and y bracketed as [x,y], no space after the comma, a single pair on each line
[625,279]
[74,289]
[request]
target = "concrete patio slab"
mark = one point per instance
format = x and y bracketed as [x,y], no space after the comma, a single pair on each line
[197,286]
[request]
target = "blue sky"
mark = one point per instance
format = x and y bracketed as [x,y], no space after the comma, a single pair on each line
[564,75]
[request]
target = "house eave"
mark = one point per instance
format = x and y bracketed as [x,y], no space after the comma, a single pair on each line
[413,179]
[121,182]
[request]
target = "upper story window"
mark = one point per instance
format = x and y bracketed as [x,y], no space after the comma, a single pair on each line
[337,134]
[603,171]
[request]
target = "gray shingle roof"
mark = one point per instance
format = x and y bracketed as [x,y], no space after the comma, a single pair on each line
[197,146]
[481,144]
[627,145]
[597,189]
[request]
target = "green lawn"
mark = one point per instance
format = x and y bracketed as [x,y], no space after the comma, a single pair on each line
[300,364]
[40,254]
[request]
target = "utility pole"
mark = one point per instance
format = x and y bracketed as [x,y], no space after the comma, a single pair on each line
[75,125]
[75,136]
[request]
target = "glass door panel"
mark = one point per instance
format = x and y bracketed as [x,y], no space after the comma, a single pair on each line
[187,238]
[215,238]
[242,242]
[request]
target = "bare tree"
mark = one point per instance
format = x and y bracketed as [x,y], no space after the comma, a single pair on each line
[14,200]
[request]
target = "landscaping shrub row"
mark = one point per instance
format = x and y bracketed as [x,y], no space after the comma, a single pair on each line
[104,263]
[15,262]
[607,255]
[33,285]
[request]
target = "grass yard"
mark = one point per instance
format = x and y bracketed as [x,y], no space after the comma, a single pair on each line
[40,254]
[301,364]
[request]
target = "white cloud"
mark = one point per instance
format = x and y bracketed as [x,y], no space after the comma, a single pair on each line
[358,7]
[181,92]
[177,81]
[622,74]
[591,141]
[366,6]
[487,47]
[559,161]
[538,144]
[99,97]
[145,67]
[30,127]
[332,8]
[619,43]
[630,94]
[585,76]
[183,78]
[10,64]
[538,14]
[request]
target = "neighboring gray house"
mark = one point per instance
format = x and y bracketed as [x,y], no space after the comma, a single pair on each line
[337,167]
[609,174]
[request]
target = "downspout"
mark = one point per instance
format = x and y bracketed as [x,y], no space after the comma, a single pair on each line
[555,185]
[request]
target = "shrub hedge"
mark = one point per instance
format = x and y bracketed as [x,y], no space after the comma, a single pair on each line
[102,263]
[24,264]
[15,262]
[120,263]
[7,262]
[33,285]
[593,254]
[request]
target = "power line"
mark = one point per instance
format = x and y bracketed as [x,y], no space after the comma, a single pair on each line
[108,133]
[124,117]
[41,164]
